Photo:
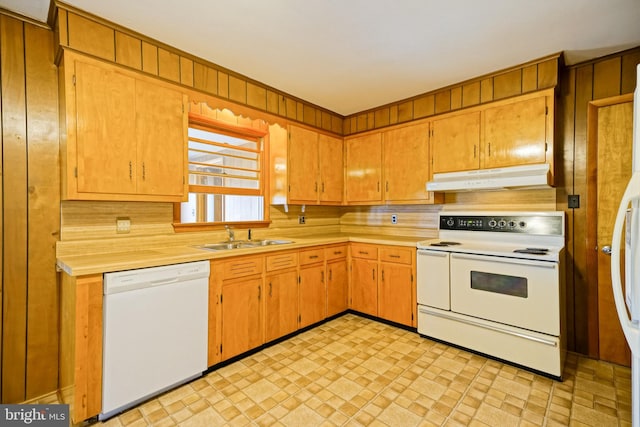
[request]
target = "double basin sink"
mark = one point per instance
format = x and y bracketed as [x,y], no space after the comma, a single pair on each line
[243,244]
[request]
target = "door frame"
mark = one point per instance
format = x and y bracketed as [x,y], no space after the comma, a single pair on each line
[591,243]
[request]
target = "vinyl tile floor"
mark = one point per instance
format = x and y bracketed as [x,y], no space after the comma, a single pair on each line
[352,371]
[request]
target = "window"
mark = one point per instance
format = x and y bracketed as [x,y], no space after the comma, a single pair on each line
[226,179]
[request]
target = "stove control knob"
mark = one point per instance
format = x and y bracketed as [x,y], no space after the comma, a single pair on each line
[522,224]
[492,223]
[512,224]
[450,222]
[502,223]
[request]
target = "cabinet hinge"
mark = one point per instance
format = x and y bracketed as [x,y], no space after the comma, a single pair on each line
[75,172]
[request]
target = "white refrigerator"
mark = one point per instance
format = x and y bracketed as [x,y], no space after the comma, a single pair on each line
[629,213]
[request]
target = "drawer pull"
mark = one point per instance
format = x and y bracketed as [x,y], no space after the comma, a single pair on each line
[394,256]
[337,252]
[363,253]
[313,256]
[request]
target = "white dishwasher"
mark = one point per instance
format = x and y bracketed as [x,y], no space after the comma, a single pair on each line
[155,332]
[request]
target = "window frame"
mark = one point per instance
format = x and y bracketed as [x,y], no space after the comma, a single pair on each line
[201,122]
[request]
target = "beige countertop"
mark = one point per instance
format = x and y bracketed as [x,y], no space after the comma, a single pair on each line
[84,264]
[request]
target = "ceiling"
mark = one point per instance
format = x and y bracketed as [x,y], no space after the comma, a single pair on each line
[352,55]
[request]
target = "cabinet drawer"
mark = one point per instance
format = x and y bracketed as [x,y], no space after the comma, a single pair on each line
[397,254]
[335,252]
[242,267]
[281,261]
[311,256]
[364,251]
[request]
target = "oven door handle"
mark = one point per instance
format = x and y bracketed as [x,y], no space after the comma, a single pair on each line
[491,327]
[506,260]
[427,252]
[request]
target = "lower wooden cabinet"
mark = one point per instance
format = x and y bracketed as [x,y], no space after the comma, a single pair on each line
[281,295]
[312,292]
[337,279]
[382,282]
[241,316]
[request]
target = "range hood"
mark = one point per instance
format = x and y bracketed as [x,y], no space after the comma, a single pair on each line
[512,177]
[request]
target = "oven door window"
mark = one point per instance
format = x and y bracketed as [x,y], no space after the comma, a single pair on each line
[500,284]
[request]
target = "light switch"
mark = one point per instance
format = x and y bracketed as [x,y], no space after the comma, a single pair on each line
[123,225]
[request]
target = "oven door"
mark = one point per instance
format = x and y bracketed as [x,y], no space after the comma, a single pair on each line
[518,292]
[433,278]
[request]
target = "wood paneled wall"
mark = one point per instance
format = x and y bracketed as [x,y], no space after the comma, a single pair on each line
[609,76]
[97,37]
[30,211]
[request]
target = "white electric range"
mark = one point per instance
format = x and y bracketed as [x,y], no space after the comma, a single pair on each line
[493,282]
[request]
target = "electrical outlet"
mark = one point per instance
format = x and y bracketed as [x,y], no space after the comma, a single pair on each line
[123,225]
[301,219]
[574,201]
[394,219]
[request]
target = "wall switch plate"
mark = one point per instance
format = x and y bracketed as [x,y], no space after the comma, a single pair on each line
[394,219]
[573,201]
[123,225]
[301,219]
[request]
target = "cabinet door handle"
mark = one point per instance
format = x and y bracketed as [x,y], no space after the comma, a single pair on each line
[130,171]
[378,186]
[489,146]
[322,277]
[330,274]
[270,289]
[323,187]
[259,292]
[386,186]
[373,274]
[316,187]
[144,172]
[383,275]
[474,151]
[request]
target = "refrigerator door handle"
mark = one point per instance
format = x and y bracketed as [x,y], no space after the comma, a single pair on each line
[630,329]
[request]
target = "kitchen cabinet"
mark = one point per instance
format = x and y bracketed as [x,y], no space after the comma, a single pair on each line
[513,132]
[124,135]
[517,133]
[281,299]
[337,279]
[364,279]
[241,304]
[364,169]
[382,282]
[406,165]
[312,291]
[81,345]
[315,167]
[389,167]
[396,287]
[455,142]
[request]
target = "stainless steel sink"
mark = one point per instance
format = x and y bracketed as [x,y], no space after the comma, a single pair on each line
[240,244]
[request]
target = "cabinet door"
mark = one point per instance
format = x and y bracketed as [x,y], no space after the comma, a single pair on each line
[312,295]
[406,164]
[516,134]
[364,168]
[161,132]
[364,286]
[337,287]
[395,293]
[331,167]
[105,125]
[241,316]
[303,165]
[455,143]
[281,304]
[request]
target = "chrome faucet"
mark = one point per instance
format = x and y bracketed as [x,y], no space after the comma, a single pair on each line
[231,233]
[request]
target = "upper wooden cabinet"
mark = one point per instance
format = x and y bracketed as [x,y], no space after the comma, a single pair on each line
[316,167]
[389,167]
[517,133]
[125,135]
[455,142]
[513,132]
